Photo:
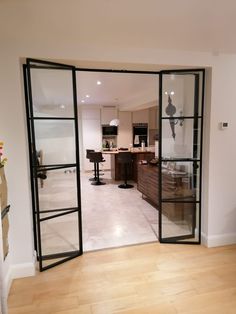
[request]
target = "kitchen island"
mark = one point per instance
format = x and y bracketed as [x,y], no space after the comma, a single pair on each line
[117,170]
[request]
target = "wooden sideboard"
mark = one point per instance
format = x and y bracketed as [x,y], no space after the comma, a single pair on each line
[173,187]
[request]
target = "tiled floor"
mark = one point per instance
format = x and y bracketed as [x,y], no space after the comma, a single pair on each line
[112,217]
[115,217]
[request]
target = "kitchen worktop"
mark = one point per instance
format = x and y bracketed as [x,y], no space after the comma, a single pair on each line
[135,151]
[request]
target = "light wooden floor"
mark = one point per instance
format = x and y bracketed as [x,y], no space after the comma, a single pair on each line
[150,278]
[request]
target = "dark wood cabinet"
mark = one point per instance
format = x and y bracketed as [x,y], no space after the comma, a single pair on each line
[174,188]
[117,170]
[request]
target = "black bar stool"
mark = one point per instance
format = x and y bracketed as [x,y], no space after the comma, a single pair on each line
[125,158]
[88,151]
[96,158]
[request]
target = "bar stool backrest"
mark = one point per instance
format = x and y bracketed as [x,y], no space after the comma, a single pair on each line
[88,151]
[124,158]
[95,157]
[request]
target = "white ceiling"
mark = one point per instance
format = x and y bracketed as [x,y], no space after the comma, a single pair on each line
[125,90]
[52,89]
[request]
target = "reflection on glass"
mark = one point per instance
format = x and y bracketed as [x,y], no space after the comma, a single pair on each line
[186,142]
[52,93]
[179,220]
[60,234]
[58,189]
[56,140]
[180,181]
[181,89]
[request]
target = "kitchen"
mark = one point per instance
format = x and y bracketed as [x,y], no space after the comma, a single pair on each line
[112,128]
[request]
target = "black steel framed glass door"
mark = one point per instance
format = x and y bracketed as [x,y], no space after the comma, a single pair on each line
[51,106]
[181,96]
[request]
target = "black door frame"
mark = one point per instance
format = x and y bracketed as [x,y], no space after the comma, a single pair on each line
[28,96]
[35,168]
[196,117]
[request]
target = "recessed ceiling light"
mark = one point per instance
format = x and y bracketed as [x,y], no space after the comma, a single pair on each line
[82,100]
[62,106]
[166,93]
[172,93]
[99,82]
[87,96]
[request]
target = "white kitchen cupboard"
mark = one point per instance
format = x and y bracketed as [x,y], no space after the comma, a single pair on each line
[91,134]
[106,165]
[153,118]
[141,116]
[125,129]
[108,113]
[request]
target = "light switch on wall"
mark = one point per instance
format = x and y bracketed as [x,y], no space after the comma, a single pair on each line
[224,125]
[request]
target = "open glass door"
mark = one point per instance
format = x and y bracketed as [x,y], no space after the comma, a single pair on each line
[180,150]
[51,106]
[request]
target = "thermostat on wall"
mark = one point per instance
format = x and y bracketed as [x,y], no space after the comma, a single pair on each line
[224,125]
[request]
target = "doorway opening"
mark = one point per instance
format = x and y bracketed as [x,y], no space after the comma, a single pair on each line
[155,118]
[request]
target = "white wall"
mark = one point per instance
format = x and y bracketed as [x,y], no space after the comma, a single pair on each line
[48,33]
[91,133]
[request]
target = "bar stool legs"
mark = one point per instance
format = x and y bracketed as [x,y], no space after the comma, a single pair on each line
[125,185]
[97,182]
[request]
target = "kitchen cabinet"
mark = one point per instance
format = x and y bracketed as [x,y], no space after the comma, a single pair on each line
[153,118]
[91,134]
[141,116]
[108,113]
[125,129]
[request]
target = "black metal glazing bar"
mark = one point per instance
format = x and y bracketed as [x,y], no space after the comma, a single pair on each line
[169,200]
[61,261]
[181,117]
[34,158]
[53,118]
[183,71]
[77,159]
[181,159]
[48,168]
[160,157]
[117,71]
[59,255]
[52,64]
[195,126]
[28,115]
[57,210]
[58,215]
[201,144]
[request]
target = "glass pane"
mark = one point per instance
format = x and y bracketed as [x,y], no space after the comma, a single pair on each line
[55,139]
[52,93]
[180,181]
[186,141]
[58,189]
[181,94]
[60,234]
[180,220]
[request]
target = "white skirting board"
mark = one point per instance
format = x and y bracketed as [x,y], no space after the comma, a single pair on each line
[15,271]
[219,239]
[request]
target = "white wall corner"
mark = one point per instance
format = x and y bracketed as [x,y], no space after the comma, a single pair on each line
[218,240]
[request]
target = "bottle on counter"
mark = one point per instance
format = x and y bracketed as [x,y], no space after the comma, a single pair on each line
[107,144]
[142,146]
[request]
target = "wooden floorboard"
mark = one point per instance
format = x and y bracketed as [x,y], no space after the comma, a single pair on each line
[151,278]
